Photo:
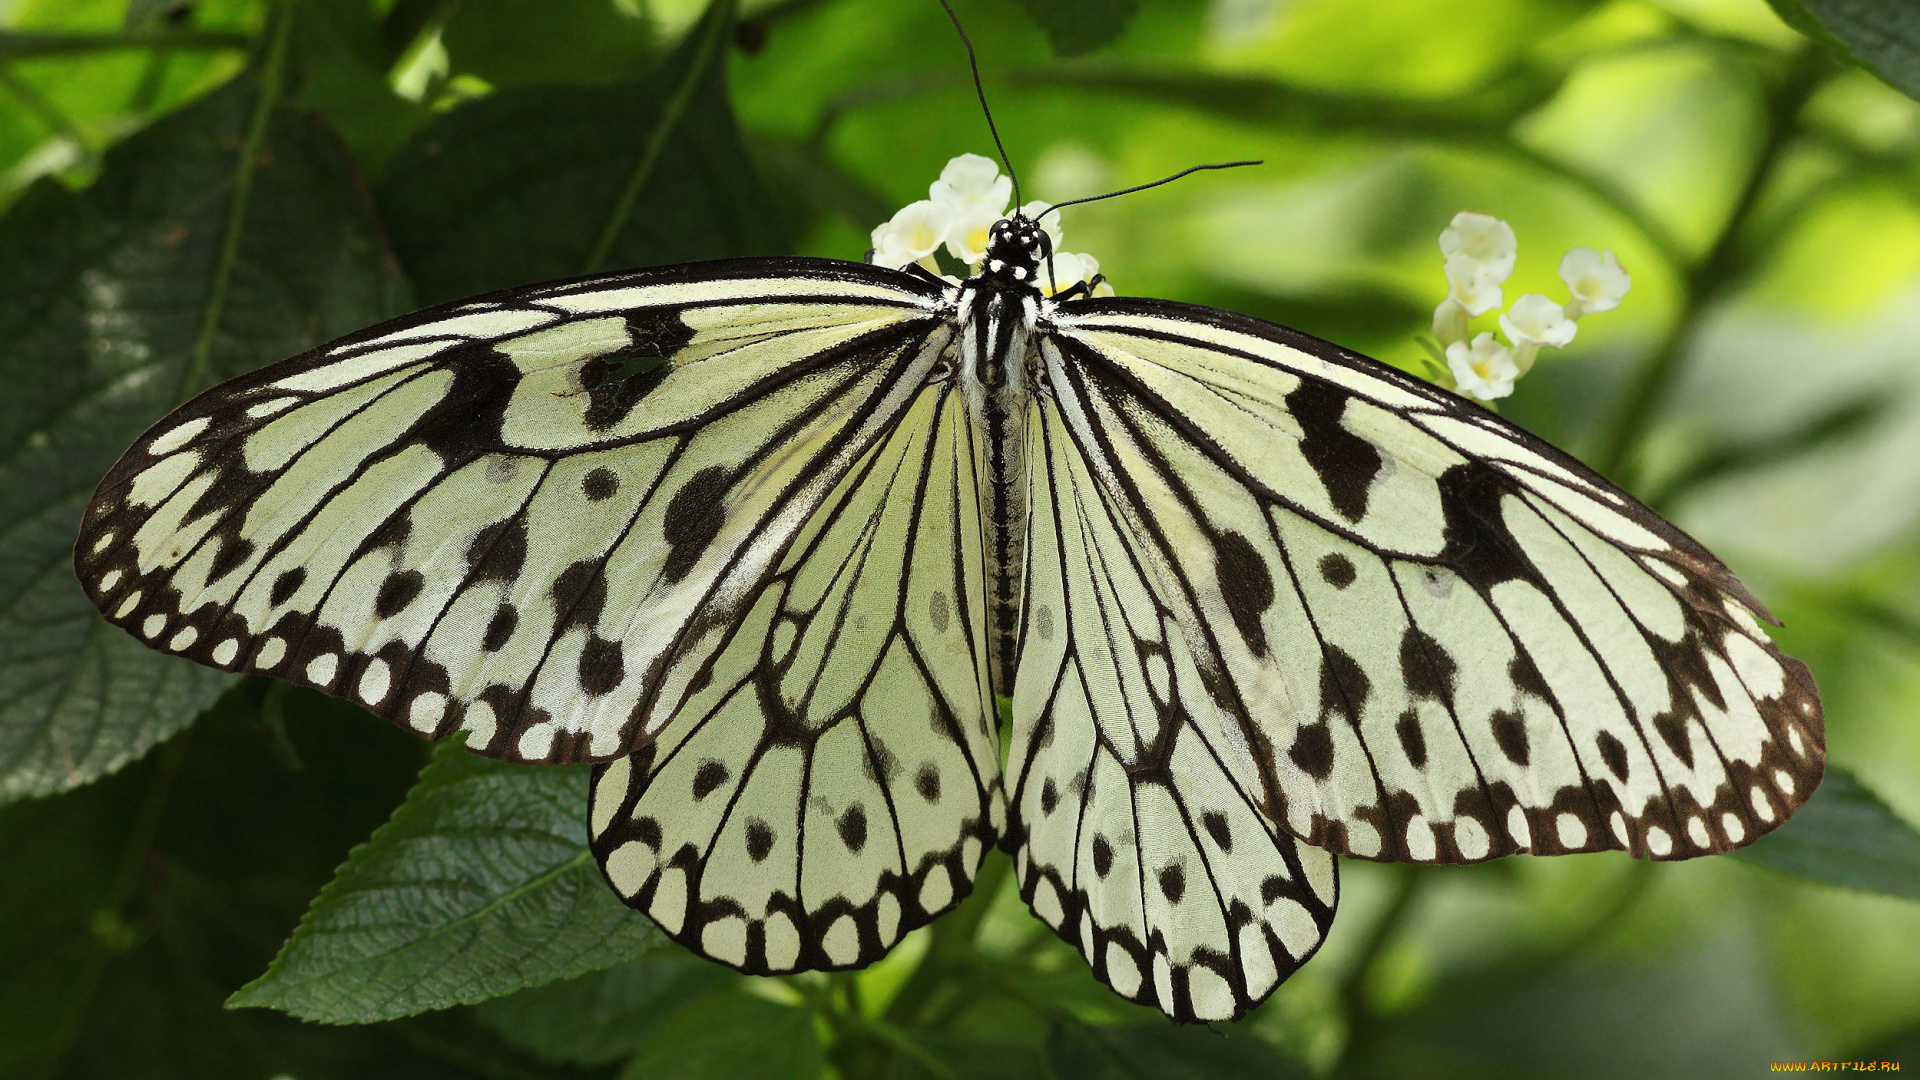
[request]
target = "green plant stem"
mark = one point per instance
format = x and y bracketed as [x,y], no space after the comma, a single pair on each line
[271,81]
[1351,992]
[115,906]
[1503,975]
[17,45]
[952,938]
[1712,274]
[713,29]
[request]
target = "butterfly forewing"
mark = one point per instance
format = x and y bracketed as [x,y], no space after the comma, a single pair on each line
[529,515]
[1441,639]
[1137,835]
[831,780]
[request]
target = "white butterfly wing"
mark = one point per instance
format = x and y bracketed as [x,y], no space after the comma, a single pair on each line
[1134,835]
[831,780]
[1438,638]
[533,515]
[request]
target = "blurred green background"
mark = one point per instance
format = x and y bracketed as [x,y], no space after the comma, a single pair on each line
[192,189]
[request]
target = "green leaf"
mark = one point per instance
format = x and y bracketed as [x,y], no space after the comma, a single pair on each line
[144,13]
[480,885]
[115,303]
[520,42]
[1081,26]
[1844,835]
[730,1036]
[342,54]
[1882,36]
[155,892]
[534,183]
[1163,1052]
[971,1059]
[606,1015]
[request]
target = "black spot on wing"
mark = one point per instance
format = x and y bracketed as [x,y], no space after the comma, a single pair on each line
[1427,668]
[1613,753]
[1510,732]
[616,382]
[852,826]
[709,776]
[579,593]
[1312,750]
[232,554]
[1344,685]
[465,423]
[1413,741]
[693,519]
[499,551]
[927,783]
[1173,883]
[1049,796]
[500,628]
[601,665]
[1246,586]
[1527,679]
[397,591]
[759,840]
[286,585]
[1479,546]
[1216,825]
[1345,462]
[1672,727]
[1102,856]
[600,484]
[1337,569]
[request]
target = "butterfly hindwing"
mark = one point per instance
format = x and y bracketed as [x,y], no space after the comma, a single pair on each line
[831,780]
[1134,838]
[518,515]
[1441,639]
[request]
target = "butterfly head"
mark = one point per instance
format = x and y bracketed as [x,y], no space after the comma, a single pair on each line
[1016,246]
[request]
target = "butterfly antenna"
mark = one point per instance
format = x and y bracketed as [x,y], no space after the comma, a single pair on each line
[974,63]
[1143,187]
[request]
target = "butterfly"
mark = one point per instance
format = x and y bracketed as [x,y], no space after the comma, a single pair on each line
[768,539]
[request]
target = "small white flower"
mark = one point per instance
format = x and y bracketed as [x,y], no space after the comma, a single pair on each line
[1596,279]
[1535,320]
[1472,285]
[1070,269]
[1049,224]
[912,234]
[1450,321]
[1484,239]
[1485,370]
[972,180]
[971,229]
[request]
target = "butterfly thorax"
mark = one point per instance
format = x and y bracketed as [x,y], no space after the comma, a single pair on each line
[997,312]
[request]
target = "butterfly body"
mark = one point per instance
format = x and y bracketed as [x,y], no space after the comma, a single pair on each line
[767,537]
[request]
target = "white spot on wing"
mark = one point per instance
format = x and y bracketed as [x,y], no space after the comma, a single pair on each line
[1572,831]
[183,640]
[375,681]
[1697,832]
[608,792]
[1761,673]
[1735,829]
[725,940]
[1470,838]
[783,942]
[126,606]
[321,669]
[224,652]
[169,441]
[154,624]
[272,651]
[842,941]
[107,583]
[1658,841]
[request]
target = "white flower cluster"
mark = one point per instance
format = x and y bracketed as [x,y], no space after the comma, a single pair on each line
[1480,250]
[958,215]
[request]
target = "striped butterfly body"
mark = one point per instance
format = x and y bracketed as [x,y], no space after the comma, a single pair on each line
[768,537]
